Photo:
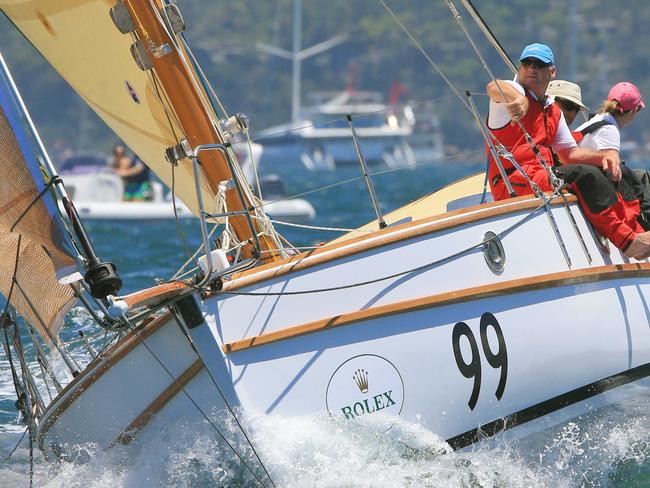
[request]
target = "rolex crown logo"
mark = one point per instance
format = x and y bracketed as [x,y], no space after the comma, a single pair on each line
[360,377]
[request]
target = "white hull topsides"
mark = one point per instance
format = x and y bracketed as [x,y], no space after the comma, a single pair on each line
[452,345]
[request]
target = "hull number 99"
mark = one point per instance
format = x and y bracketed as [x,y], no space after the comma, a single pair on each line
[471,368]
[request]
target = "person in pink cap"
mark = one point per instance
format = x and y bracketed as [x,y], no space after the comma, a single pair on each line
[602,133]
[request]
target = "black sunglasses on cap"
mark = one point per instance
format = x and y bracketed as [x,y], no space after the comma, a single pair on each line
[537,63]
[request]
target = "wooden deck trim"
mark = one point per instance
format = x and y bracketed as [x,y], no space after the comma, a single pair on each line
[550,280]
[156,294]
[383,237]
[128,434]
[96,369]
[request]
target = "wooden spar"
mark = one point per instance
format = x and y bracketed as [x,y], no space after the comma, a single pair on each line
[180,86]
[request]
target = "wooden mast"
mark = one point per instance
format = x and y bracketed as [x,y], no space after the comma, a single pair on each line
[180,86]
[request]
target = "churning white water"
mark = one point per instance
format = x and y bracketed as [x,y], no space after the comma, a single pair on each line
[610,447]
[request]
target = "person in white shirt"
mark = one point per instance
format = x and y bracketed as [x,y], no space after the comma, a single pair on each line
[606,198]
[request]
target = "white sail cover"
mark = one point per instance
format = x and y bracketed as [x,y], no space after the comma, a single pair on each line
[78,38]
[34,244]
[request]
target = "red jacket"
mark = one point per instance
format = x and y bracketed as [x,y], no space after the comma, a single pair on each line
[542,124]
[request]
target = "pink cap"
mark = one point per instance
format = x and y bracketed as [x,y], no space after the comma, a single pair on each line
[627,95]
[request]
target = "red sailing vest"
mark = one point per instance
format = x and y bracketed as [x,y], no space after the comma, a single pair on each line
[542,124]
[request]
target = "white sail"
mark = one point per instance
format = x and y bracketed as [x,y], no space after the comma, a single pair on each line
[79,39]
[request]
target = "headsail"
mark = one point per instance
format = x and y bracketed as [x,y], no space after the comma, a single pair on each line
[150,110]
[32,238]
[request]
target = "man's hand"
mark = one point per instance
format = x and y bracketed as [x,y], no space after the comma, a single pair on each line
[517,108]
[612,166]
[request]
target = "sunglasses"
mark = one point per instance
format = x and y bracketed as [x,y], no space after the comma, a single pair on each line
[567,105]
[528,62]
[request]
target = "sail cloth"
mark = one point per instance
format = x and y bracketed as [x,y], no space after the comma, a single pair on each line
[35,248]
[78,38]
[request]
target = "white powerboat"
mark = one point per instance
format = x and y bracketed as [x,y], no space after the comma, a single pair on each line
[325,140]
[97,192]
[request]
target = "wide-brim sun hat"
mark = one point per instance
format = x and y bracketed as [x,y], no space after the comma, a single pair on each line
[567,91]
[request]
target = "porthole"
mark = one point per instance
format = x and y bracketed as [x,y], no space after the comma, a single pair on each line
[495,256]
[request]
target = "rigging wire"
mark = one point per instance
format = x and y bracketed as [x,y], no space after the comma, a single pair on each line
[336,120]
[424,53]
[201,411]
[434,162]
[8,456]
[179,228]
[469,6]
[316,227]
[223,397]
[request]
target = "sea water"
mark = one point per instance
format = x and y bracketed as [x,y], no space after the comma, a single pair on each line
[607,447]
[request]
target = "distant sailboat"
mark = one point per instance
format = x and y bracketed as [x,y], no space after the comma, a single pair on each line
[445,318]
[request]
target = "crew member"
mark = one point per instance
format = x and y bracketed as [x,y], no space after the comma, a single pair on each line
[523,103]
[135,175]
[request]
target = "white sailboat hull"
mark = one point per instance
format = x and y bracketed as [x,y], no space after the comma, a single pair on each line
[453,346]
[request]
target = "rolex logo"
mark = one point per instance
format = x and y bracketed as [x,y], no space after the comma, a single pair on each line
[360,377]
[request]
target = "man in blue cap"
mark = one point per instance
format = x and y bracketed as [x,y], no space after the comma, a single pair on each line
[522,104]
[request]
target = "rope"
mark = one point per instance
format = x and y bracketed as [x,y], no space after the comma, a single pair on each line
[424,53]
[17,444]
[394,275]
[40,195]
[315,227]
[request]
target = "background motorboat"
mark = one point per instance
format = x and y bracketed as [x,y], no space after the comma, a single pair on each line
[97,191]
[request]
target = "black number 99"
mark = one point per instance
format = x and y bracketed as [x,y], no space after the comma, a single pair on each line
[472,369]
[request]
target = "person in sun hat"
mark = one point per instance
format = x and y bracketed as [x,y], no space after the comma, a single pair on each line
[523,102]
[569,98]
[614,208]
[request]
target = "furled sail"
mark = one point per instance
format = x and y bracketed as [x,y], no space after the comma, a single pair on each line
[35,248]
[150,110]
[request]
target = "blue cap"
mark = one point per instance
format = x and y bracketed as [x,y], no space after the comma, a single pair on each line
[538,51]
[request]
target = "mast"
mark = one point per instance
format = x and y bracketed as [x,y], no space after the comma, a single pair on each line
[298,55]
[297,35]
[194,115]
